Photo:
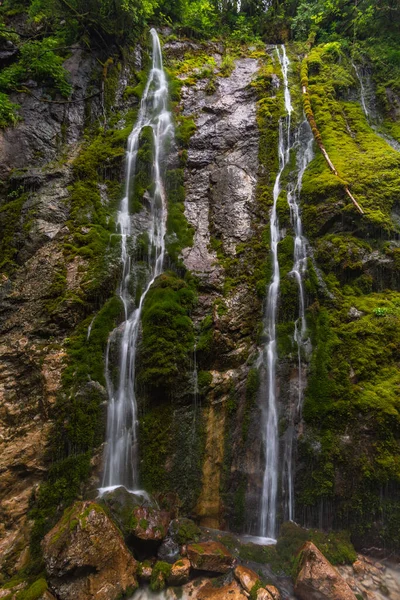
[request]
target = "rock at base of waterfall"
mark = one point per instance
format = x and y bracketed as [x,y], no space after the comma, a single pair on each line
[168,551]
[184,530]
[231,591]
[86,557]
[149,524]
[121,505]
[246,577]
[180,572]
[317,579]
[210,556]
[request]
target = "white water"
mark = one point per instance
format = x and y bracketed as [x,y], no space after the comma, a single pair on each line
[368,106]
[303,146]
[121,449]
[270,478]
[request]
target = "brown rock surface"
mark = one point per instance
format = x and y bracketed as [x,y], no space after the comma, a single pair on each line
[149,523]
[318,579]
[273,592]
[231,591]
[246,577]
[85,556]
[210,556]
[180,572]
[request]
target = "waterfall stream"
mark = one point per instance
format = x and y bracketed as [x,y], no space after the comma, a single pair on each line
[302,143]
[122,444]
[367,97]
[270,433]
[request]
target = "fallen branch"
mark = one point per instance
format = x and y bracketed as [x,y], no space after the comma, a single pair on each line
[26,91]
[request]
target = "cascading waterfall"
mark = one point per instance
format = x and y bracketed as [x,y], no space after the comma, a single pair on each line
[121,449]
[304,141]
[367,103]
[271,442]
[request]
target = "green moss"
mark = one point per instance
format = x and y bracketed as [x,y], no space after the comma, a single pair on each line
[179,232]
[34,591]
[159,575]
[168,336]
[11,220]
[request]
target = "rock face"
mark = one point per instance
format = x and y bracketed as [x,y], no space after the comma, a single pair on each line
[85,556]
[220,182]
[210,556]
[318,579]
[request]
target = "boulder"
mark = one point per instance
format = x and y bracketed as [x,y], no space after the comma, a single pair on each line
[210,556]
[180,572]
[149,524]
[230,591]
[184,530]
[246,577]
[144,571]
[273,592]
[86,557]
[121,504]
[317,579]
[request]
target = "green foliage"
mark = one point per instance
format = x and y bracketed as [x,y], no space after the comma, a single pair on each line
[8,111]
[39,61]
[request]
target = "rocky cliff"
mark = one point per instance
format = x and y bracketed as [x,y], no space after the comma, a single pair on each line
[201,399]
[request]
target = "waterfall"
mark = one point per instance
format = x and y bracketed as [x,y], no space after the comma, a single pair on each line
[122,444]
[367,103]
[270,433]
[304,141]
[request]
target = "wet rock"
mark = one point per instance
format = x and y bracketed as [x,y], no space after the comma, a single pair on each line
[168,551]
[122,504]
[246,577]
[180,572]
[273,592]
[149,524]
[210,556]
[231,591]
[184,530]
[85,556]
[317,579]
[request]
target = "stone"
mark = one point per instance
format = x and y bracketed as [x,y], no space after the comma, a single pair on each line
[86,557]
[168,551]
[273,592]
[145,570]
[210,556]
[180,572]
[184,530]
[231,591]
[149,524]
[246,577]
[122,504]
[317,579]
[262,594]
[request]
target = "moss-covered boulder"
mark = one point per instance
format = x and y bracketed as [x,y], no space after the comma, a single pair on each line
[121,503]
[210,556]
[184,530]
[86,557]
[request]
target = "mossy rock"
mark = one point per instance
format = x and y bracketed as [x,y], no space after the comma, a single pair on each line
[184,530]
